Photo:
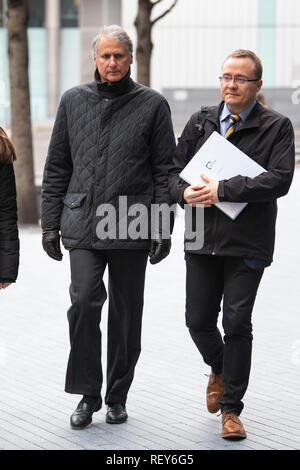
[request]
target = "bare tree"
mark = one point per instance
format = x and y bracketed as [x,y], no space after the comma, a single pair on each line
[144,25]
[20,110]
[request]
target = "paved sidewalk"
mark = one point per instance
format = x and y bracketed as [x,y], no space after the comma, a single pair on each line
[166,404]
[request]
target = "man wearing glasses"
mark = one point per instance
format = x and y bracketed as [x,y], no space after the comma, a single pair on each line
[231,262]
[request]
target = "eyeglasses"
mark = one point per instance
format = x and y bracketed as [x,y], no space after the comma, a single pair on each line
[239,80]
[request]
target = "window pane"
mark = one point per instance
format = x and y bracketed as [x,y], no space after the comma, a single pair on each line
[69,13]
[36,10]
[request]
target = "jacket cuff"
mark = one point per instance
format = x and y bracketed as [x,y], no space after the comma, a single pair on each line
[181,200]
[221,190]
[9,260]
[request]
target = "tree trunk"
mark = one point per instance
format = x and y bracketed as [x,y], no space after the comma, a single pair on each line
[144,25]
[144,44]
[20,110]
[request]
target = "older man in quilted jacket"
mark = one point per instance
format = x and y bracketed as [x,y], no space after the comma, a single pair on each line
[111,147]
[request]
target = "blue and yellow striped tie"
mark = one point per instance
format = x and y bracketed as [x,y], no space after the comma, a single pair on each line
[233,119]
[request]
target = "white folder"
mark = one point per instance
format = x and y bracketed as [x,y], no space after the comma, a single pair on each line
[220,159]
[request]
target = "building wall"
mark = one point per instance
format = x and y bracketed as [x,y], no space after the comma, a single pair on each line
[190,45]
[287,64]
[68,56]
[37,47]
[75,22]
[191,42]
[4,84]
[37,74]
[69,59]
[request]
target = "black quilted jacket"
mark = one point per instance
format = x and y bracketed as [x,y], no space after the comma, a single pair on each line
[9,241]
[107,141]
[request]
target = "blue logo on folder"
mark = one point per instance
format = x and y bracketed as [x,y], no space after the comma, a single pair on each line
[209,165]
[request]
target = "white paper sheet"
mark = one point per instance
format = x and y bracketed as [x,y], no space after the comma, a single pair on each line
[220,159]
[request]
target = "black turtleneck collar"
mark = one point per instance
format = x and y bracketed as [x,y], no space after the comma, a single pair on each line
[116,88]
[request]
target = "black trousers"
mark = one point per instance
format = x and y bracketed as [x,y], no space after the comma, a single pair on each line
[88,294]
[209,280]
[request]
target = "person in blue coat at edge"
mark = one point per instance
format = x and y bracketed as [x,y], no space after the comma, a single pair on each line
[9,235]
[112,138]
[231,262]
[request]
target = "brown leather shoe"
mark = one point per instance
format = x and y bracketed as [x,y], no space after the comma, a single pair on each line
[232,427]
[214,392]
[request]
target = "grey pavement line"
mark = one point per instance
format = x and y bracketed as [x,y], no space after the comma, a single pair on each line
[20,439]
[7,445]
[34,432]
[248,426]
[168,442]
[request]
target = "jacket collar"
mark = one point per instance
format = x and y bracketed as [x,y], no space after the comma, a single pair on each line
[254,118]
[115,89]
[252,121]
[213,114]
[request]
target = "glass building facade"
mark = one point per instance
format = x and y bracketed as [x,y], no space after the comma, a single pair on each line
[68,55]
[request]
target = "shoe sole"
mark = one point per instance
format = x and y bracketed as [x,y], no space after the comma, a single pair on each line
[119,421]
[80,427]
[213,410]
[234,436]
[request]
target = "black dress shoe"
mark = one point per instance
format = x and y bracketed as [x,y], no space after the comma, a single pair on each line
[82,416]
[116,414]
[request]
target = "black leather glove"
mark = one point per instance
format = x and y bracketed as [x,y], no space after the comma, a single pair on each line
[159,248]
[51,243]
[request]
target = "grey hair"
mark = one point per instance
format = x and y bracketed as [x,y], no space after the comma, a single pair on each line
[115,32]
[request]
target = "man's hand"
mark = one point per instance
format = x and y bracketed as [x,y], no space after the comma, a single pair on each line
[202,195]
[159,248]
[51,243]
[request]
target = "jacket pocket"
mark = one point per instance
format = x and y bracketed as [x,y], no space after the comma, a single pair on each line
[73,216]
[74,200]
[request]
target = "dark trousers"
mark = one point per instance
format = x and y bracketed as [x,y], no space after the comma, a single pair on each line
[209,279]
[126,270]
